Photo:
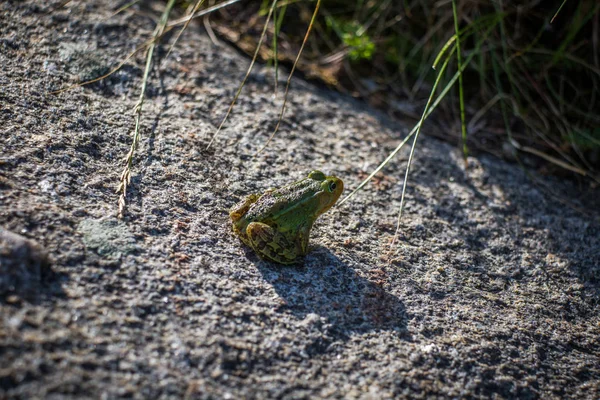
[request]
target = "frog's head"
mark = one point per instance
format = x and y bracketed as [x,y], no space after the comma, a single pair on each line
[330,189]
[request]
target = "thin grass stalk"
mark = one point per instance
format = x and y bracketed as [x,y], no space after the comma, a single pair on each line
[412,149]
[289,80]
[183,28]
[482,78]
[569,57]
[500,9]
[150,42]
[123,8]
[275,55]
[278,21]
[460,87]
[496,69]
[202,13]
[539,132]
[239,90]
[61,5]
[575,26]
[558,11]
[112,71]
[125,179]
[445,47]
[418,125]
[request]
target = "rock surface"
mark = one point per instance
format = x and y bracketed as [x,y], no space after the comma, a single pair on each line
[23,265]
[491,291]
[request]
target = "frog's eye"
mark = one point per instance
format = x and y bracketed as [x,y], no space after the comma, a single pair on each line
[332,186]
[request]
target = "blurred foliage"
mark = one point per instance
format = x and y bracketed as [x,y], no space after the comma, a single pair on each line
[359,44]
[546,75]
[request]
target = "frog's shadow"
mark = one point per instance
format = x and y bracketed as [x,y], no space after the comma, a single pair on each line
[326,286]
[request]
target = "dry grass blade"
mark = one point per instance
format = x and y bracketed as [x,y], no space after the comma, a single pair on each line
[278,19]
[115,69]
[289,80]
[239,91]
[549,158]
[61,5]
[183,28]
[123,8]
[380,166]
[125,179]
[569,57]
[201,13]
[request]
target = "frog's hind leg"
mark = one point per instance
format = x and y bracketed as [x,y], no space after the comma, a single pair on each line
[272,244]
[242,207]
[237,213]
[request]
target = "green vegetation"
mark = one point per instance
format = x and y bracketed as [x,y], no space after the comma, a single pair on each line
[522,77]
[530,70]
[535,78]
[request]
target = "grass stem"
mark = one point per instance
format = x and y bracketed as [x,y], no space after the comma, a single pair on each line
[125,179]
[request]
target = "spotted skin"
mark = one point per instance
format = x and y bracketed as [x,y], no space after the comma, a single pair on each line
[277,223]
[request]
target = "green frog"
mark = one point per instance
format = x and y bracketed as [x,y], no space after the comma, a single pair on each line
[277,223]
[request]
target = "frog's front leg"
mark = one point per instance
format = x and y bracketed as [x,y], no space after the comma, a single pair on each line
[303,236]
[272,244]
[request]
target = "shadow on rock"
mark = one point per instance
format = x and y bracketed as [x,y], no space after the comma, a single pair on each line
[512,227]
[326,286]
[25,269]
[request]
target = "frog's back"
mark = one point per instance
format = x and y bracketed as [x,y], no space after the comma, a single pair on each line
[280,206]
[277,224]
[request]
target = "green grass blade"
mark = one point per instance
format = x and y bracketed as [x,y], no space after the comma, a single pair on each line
[446,46]
[418,125]
[460,87]
[274,44]
[416,136]
[558,11]
[578,22]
